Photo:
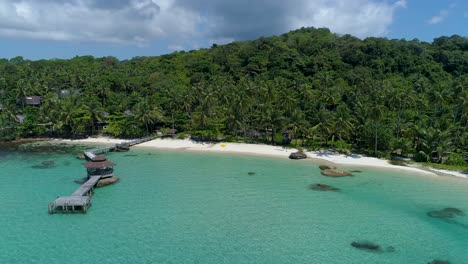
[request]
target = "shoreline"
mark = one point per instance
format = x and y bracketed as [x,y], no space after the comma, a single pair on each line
[327,157]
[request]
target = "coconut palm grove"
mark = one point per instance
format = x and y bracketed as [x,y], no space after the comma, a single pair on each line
[309,87]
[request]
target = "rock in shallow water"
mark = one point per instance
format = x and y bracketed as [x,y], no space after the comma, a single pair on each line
[81,180]
[436,261]
[326,167]
[107,181]
[298,155]
[322,187]
[449,212]
[48,163]
[251,173]
[336,173]
[454,211]
[364,245]
[45,165]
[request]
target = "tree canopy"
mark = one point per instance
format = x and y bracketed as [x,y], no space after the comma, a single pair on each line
[308,87]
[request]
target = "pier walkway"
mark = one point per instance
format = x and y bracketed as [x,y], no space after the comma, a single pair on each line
[80,200]
[87,187]
[90,154]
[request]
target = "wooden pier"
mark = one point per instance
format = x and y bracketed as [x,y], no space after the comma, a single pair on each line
[80,200]
[90,154]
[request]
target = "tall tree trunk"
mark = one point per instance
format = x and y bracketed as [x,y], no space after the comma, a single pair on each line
[375,142]
[172,115]
[341,141]
[398,124]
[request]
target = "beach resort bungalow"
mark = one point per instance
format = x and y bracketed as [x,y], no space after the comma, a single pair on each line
[253,134]
[172,132]
[103,124]
[100,166]
[30,100]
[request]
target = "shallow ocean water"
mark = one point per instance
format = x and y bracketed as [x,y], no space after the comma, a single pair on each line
[187,207]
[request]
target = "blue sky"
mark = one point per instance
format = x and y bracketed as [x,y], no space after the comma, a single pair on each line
[127,28]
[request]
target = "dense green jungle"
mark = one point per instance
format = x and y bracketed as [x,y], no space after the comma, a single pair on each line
[309,88]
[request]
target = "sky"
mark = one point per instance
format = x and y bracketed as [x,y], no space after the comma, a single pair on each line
[47,29]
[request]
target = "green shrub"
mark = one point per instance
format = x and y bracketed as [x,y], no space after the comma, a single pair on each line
[421,157]
[181,135]
[455,159]
[313,144]
[339,145]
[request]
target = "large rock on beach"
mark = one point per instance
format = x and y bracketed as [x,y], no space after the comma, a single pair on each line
[107,181]
[336,173]
[298,155]
[322,187]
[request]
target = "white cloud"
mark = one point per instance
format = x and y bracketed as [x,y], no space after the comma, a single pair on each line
[134,22]
[358,17]
[186,23]
[443,14]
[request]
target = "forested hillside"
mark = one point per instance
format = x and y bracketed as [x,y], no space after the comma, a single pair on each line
[310,86]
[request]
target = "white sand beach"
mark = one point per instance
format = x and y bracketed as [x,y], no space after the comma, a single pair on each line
[268,150]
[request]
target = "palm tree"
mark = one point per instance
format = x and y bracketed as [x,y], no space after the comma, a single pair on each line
[149,114]
[23,89]
[376,114]
[67,114]
[298,125]
[342,122]
[95,112]
[323,124]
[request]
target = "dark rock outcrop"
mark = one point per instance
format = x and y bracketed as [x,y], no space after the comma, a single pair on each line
[322,187]
[336,173]
[298,155]
[437,261]
[364,245]
[107,181]
[454,211]
[45,165]
[81,180]
[326,167]
[81,157]
[48,163]
[446,213]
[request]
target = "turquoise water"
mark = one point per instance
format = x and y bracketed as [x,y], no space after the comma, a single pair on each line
[182,207]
